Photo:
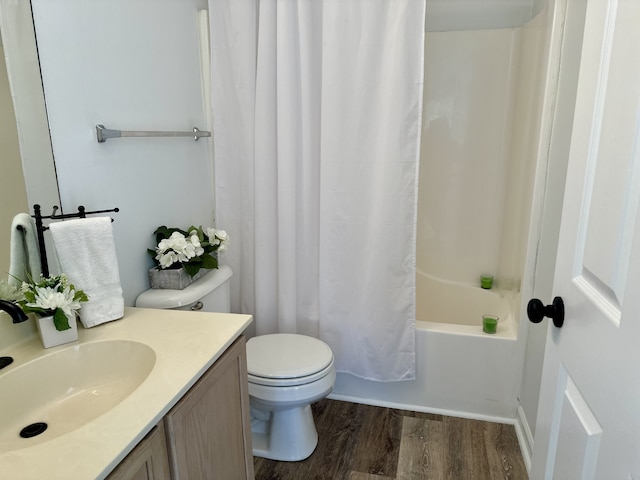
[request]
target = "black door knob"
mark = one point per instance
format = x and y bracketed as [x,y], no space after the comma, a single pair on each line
[536,311]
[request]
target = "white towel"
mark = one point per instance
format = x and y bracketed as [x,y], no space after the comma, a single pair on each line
[25,255]
[87,255]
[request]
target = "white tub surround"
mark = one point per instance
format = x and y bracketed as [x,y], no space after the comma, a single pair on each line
[185,344]
[465,161]
[473,15]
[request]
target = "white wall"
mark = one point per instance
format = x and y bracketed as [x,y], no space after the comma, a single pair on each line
[130,66]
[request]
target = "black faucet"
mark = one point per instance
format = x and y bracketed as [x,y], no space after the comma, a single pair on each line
[14,310]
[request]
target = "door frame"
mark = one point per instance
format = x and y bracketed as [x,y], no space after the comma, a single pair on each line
[562,56]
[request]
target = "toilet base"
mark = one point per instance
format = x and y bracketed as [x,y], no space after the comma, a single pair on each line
[287,435]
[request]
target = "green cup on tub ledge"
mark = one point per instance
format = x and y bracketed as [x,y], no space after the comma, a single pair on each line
[486,281]
[490,323]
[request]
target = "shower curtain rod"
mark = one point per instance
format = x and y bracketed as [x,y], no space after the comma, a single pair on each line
[103,133]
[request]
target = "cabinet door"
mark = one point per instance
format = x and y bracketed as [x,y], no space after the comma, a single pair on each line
[147,461]
[209,429]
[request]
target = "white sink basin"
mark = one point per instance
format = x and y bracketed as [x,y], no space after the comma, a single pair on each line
[68,388]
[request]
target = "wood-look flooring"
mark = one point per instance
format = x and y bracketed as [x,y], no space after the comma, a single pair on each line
[362,442]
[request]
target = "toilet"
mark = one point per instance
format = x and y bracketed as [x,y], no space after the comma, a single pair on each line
[286,372]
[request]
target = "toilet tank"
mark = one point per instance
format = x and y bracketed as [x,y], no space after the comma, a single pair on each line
[211,293]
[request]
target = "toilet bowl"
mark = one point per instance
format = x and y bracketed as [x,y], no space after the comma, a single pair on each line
[286,373]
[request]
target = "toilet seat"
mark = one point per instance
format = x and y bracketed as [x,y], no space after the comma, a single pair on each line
[287,382]
[284,359]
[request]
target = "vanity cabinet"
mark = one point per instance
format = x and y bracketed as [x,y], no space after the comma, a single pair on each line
[206,435]
[209,429]
[148,461]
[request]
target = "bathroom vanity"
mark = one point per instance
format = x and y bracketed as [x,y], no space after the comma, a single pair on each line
[179,410]
[207,434]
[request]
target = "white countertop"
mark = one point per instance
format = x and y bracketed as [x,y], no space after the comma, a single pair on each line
[186,344]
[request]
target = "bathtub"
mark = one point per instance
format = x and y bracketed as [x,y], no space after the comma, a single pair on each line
[458,308]
[460,370]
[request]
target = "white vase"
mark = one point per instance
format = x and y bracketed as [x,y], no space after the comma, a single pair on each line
[51,337]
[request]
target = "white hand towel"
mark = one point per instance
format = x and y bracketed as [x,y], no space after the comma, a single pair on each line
[87,255]
[25,255]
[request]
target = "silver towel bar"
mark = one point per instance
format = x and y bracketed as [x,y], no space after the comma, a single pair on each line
[103,134]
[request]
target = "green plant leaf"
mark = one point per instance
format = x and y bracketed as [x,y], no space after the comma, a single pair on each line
[60,320]
[30,296]
[161,233]
[209,262]
[191,268]
[80,296]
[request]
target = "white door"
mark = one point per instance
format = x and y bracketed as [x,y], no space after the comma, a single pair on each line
[589,416]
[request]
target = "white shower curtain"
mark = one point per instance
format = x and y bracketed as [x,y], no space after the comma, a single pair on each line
[317,110]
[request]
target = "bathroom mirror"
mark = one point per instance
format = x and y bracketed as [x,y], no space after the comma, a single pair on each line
[13,192]
[28,171]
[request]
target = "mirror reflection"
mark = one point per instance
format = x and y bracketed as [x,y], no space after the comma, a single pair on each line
[13,195]
[28,172]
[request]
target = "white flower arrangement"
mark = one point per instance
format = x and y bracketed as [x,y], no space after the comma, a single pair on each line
[53,296]
[191,249]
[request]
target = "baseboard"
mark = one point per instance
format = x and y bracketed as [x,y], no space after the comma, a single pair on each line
[525,438]
[419,408]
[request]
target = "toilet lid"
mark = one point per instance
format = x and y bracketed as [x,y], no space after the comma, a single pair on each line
[285,355]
